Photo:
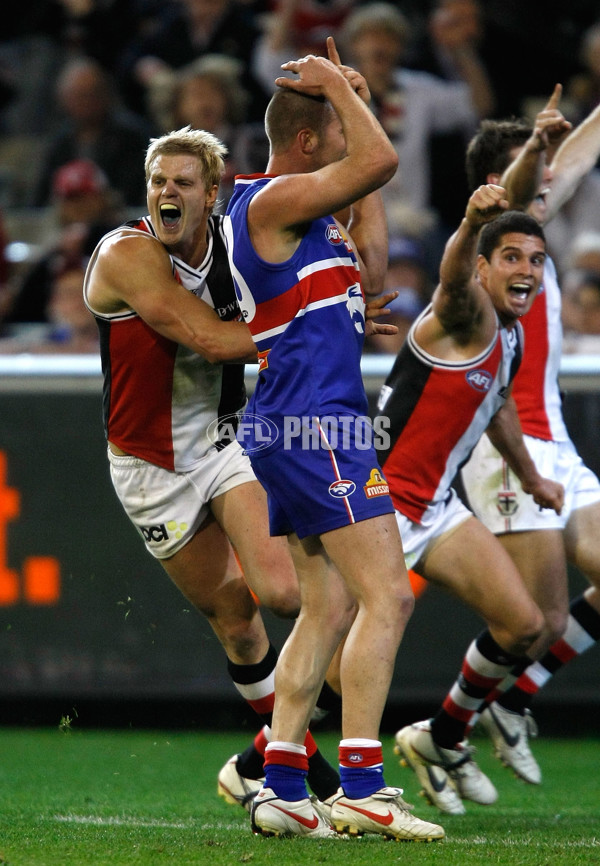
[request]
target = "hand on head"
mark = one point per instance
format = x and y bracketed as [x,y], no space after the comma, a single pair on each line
[314,74]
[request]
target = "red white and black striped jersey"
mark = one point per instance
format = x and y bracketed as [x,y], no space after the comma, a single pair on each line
[535,389]
[436,412]
[160,398]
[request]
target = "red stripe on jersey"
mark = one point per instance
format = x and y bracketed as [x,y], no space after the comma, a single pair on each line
[528,386]
[317,286]
[430,442]
[139,421]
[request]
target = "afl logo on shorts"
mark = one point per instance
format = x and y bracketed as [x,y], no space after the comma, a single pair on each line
[481,380]
[340,489]
[333,234]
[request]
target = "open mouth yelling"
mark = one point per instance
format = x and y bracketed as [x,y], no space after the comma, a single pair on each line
[520,291]
[169,215]
[540,198]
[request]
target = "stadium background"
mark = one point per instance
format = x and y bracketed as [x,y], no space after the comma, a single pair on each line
[91,627]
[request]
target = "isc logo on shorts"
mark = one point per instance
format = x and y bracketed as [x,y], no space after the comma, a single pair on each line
[155,533]
[481,380]
[161,532]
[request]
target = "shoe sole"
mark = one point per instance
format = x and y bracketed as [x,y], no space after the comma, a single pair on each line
[269,833]
[349,829]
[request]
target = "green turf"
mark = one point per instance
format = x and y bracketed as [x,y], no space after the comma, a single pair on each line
[70,797]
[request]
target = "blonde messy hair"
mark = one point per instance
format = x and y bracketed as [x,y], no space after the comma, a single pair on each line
[209,150]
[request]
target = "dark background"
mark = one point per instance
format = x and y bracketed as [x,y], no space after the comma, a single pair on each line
[123,647]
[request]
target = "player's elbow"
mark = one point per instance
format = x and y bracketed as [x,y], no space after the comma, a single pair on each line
[378,164]
[387,164]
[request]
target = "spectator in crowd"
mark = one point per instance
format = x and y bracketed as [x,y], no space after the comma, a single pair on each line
[295,28]
[186,31]
[95,127]
[208,94]
[581,296]
[85,208]
[89,27]
[407,275]
[70,329]
[453,35]
[583,89]
[412,106]
[580,214]
[581,312]
[312,14]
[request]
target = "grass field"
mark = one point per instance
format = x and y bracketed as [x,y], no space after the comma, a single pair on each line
[71,797]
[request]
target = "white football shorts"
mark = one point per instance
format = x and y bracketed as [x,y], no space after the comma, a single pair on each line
[496,496]
[440,518]
[168,507]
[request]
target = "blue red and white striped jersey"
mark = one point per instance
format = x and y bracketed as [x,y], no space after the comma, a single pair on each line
[306,316]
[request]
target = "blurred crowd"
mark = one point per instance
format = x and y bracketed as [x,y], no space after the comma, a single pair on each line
[85,84]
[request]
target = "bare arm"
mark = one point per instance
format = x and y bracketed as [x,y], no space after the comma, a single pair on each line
[365,219]
[368,229]
[456,37]
[461,307]
[134,272]
[523,176]
[576,157]
[505,434]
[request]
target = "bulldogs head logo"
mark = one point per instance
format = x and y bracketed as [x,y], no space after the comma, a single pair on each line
[340,489]
[356,307]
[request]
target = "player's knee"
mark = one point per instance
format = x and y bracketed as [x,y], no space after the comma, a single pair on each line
[404,601]
[284,605]
[240,639]
[394,608]
[527,631]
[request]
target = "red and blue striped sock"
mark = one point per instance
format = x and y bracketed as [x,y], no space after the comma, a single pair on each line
[286,768]
[361,767]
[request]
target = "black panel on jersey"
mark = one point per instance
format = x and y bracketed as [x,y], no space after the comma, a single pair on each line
[407,380]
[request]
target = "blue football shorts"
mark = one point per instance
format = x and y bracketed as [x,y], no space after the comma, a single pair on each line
[316,490]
